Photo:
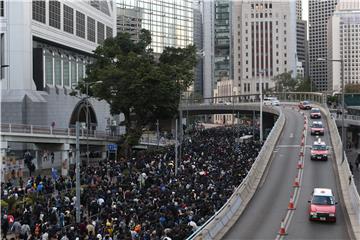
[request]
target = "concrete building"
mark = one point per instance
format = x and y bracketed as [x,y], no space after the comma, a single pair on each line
[344,43]
[302,46]
[319,14]
[299,10]
[264,42]
[198,42]
[170,22]
[208,12]
[224,87]
[47,45]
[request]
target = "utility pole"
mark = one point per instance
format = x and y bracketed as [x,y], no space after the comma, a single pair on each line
[176,147]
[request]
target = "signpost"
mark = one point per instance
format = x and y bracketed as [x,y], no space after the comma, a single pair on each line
[112,148]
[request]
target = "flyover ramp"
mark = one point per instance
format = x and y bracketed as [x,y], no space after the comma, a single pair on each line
[268,207]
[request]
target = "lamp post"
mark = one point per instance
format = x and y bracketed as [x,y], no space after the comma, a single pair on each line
[343,139]
[77,163]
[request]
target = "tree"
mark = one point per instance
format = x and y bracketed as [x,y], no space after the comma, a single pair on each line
[303,85]
[352,88]
[285,82]
[136,84]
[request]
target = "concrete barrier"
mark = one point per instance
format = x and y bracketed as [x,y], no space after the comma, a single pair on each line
[350,195]
[217,226]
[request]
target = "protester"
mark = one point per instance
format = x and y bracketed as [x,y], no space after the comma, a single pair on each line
[141,198]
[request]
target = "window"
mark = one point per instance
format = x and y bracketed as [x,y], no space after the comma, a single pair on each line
[73,72]
[2,8]
[80,70]
[57,69]
[66,71]
[49,68]
[109,32]
[54,14]
[68,19]
[80,24]
[100,32]
[91,29]
[39,11]
[2,54]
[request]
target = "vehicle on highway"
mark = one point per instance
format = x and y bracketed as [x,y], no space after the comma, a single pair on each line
[319,151]
[322,205]
[272,101]
[305,105]
[315,113]
[317,128]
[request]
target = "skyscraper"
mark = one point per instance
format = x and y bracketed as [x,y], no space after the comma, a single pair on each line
[264,42]
[302,46]
[169,21]
[198,42]
[222,44]
[344,43]
[319,13]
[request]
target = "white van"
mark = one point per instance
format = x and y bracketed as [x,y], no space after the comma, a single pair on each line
[273,101]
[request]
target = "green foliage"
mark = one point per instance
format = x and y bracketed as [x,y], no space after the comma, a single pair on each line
[352,88]
[284,82]
[136,84]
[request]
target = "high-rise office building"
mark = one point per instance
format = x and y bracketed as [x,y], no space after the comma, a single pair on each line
[129,20]
[169,21]
[208,12]
[344,43]
[222,44]
[47,45]
[299,10]
[302,46]
[319,13]
[264,42]
[198,42]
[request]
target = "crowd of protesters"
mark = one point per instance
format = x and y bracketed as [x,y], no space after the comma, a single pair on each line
[141,198]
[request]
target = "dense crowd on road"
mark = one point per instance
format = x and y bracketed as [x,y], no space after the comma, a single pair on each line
[137,199]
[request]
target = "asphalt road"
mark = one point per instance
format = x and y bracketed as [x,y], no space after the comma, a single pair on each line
[262,218]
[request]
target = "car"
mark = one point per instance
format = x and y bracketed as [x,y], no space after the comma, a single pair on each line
[305,105]
[272,101]
[317,128]
[315,113]
[322,205]
[319,151]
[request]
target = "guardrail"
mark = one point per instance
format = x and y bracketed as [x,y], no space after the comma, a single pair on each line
[350,194]
[48,130]
[224,218]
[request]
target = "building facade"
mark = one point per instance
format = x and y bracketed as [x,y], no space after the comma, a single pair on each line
[129,20]
[47,45]
[264,42]
[319,13]
[169,21]
[198,42]
[222,44]
[302,46]
[344,43]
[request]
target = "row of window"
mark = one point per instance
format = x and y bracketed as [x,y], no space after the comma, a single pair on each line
[63,70]
[78,28]
[2,8]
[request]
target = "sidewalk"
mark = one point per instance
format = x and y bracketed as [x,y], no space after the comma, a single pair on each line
[351,156]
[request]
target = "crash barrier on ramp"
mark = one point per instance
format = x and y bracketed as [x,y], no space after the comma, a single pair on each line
[349,192]
[223,219]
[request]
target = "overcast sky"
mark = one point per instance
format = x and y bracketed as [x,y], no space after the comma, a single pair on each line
[305,9]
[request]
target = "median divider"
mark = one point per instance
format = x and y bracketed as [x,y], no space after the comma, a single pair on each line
[350,195]
[221,222]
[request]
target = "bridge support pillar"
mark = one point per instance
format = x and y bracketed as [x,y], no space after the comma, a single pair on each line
[103,152]
[3,153]
[65,148]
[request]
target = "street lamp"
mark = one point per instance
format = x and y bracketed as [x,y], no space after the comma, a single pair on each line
[77,168]
[343,139]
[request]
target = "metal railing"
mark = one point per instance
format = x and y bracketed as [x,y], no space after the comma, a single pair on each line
[49,130]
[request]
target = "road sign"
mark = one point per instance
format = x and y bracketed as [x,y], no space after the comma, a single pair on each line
[112,147]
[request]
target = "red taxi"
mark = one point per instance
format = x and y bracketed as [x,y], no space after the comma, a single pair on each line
[315,113]
[317,128]
[319,151]
[304,105]
[322,205]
